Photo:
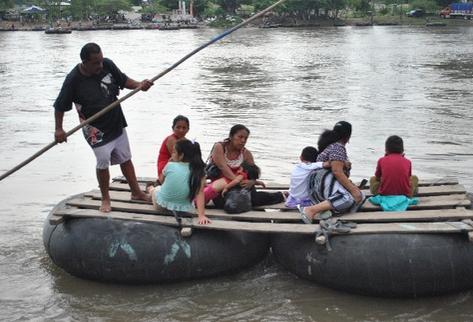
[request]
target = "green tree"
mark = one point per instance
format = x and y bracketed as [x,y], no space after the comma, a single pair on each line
[6,4]
[426,5]
[111,7]
[82,9]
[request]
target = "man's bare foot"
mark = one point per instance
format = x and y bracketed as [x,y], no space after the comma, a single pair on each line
[106,206]
[141,196]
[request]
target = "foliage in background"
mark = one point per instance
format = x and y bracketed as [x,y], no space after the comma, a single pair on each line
[229,11]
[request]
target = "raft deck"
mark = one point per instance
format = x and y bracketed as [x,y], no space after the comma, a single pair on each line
[442,208]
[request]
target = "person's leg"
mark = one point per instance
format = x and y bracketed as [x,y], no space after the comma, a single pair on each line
[219,184]
[414,180]
[102,155]
[210,193]
[128,171]
[374,185]
[103,177]
[312,211]
[263,198]
[121,154]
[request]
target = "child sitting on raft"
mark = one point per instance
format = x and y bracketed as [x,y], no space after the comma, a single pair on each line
[183,181]
[180,127]
[222,185]
[393,181]
[299,185]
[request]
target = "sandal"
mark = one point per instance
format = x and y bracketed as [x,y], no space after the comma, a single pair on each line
[304,217]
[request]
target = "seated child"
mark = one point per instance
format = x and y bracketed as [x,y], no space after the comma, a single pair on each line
[183,180]
[393,174]
[245,172]
[299,186]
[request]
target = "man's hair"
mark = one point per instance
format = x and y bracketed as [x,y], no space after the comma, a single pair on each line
[89,49]
[394,144]
[309,154]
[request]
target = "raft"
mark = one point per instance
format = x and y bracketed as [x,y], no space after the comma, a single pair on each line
[134,248]
[424,251]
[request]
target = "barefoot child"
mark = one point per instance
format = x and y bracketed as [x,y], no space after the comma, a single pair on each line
[180,127]
[183,181]
[393,181]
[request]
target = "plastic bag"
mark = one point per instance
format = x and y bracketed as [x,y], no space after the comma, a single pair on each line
[237,201]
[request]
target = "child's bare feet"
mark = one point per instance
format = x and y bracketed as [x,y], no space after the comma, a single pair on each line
[106,206]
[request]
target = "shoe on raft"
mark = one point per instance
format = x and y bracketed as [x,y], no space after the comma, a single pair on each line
[304,217]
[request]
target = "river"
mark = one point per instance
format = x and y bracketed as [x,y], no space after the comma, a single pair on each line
[286,85]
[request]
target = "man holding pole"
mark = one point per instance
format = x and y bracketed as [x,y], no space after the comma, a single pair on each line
[93,85]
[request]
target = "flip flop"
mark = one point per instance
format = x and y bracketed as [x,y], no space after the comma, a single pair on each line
[304,217]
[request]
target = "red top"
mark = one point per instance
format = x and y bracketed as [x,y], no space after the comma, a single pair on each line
[164,155]
[395,171]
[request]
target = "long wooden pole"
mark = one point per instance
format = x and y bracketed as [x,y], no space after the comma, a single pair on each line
[133,92]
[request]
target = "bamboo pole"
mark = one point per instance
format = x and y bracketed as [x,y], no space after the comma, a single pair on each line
[133,92]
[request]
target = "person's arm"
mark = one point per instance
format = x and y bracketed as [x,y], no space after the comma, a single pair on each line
[162,176]
[260,183]
[326,164]
[218,158]
[170,143]
[200,203]
[339,174]
[144,85]
[59,133]
[377,173]
[248,158]
[232,183]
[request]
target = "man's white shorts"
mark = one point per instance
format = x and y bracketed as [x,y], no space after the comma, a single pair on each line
[114,152]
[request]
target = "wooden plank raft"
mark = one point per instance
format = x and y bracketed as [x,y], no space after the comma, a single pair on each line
[429,216]
[437,227]
[424,191]
[422,182]
[434,202]
[379,216]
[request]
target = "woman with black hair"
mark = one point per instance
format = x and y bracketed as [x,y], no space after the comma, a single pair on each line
[229,155]
[331,189]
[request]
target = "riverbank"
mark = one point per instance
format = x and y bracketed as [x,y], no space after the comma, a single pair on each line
[273,23]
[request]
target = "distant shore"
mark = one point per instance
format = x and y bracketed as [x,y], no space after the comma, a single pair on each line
[365,21]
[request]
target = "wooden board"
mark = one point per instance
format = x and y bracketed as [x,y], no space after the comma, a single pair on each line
[451,227]
[277,216]
[423,191]
[422,182]
[434,202]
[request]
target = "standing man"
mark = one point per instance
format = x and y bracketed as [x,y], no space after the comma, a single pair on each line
[92,85]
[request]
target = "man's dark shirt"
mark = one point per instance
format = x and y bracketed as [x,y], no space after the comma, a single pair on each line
[90,95]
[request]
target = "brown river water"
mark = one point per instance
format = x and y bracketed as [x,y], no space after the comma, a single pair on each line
[286,85]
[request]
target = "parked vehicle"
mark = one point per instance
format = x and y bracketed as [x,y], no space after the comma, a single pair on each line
[454,10]
[416,13]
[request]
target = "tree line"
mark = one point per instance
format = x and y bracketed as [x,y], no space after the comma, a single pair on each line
[300,9]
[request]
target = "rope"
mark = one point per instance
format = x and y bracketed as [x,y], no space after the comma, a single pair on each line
[133,92]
